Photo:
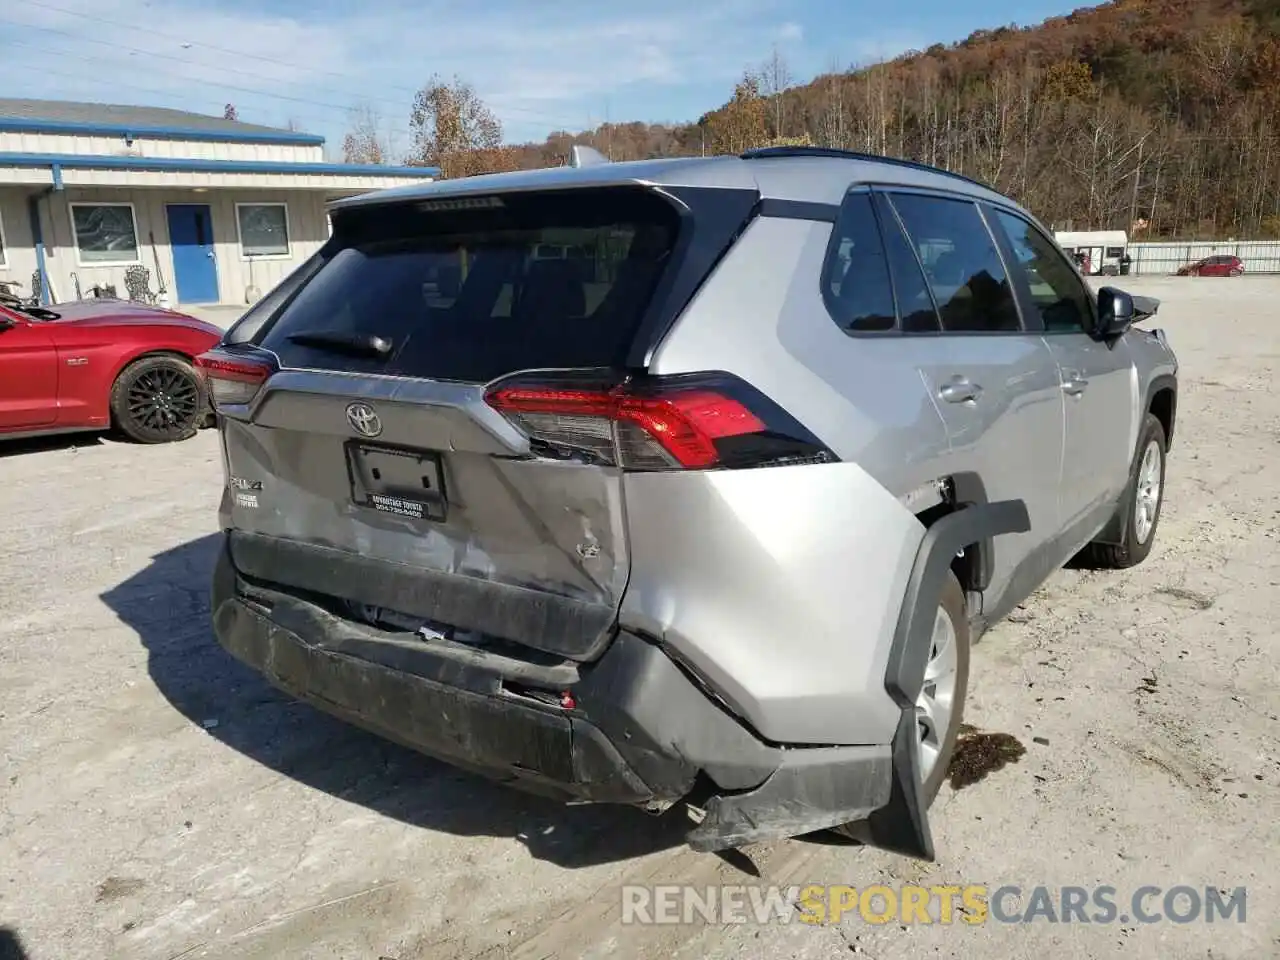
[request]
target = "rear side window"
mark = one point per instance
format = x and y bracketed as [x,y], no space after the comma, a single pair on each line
[961,263]
[855,283]
[472,289]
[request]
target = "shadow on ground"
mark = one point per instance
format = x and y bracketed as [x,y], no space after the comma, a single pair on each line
[168,605]
[60,441]
[11,945]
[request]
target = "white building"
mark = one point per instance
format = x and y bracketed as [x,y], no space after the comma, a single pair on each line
[92,195]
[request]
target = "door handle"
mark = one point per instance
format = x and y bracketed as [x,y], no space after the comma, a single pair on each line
[1075,383]
[959,390]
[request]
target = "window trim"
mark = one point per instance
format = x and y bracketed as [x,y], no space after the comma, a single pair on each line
[75,234]
[288,232]
[884,208]
[1024,288]
[4,246]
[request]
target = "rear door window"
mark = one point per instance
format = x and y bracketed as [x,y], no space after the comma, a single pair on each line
[470,291]
[961,263]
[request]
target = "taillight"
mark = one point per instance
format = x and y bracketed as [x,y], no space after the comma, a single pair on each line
[677,423]
[233,378]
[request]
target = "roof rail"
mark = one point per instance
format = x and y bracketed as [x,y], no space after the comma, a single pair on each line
[767,153]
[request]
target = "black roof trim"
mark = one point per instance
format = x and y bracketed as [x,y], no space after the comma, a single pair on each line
[769,153]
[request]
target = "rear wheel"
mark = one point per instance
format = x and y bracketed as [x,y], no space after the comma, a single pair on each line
[158,399]
[940,706]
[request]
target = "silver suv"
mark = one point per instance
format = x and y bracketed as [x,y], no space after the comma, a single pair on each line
[707,510]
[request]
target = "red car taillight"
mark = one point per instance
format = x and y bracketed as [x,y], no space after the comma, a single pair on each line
[683,423]
[232,378]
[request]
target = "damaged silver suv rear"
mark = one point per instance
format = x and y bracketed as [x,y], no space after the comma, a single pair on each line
[674,481]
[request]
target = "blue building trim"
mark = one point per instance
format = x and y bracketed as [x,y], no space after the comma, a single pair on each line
[144,132]
[72,161]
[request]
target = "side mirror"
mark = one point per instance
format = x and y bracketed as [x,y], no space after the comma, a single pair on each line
[7,324]
[1116,313]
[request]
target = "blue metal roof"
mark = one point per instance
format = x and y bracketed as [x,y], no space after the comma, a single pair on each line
[74,161]
[231,133]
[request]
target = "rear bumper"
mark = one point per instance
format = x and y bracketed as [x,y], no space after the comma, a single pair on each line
[642,731]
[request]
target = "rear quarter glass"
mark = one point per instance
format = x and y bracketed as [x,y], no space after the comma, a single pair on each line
[525,281]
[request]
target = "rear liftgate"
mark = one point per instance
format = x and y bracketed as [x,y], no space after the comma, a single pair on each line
[902,824]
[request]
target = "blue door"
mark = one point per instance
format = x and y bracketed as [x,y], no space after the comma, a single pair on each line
[195,271]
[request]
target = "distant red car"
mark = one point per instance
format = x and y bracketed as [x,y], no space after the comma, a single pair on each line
[1222,266]
[98,364]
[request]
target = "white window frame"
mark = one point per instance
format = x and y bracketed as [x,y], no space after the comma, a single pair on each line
[75,236]
[288,232]
[4,245]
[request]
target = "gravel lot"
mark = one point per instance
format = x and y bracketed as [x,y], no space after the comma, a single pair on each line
[159,801]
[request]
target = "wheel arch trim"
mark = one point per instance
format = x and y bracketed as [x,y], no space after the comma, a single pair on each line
[902,825]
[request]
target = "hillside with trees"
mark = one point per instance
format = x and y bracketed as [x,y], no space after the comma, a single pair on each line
[1155,116]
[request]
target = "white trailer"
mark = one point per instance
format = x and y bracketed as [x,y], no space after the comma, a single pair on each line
[1103,250]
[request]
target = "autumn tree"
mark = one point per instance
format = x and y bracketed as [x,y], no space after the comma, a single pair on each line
[1160,116]
[365,141]
[741,123]
[454,129]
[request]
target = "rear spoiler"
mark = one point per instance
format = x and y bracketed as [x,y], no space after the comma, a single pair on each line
[583,156]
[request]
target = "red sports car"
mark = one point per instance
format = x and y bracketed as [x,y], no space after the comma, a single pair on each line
[1220,266]
[98,364]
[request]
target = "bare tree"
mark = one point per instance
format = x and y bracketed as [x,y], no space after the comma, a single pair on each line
[454,129]
[365,142]
[774,78]
[832,120]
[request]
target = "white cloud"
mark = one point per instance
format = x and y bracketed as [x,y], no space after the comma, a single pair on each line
[540,66]
[791,33]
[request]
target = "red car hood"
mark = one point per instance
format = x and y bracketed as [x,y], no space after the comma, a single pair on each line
[120,313]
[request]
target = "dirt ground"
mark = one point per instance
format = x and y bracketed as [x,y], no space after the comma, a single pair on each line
[160,802]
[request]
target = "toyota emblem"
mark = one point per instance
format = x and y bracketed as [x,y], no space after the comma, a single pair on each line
[364,419]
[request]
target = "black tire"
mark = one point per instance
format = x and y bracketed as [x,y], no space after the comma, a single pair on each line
[953,604]
[1134,549]
[158,399]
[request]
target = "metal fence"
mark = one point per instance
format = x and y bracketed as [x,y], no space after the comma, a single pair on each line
[1164,258]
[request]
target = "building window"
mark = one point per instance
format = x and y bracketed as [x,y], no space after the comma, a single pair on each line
[264,229]
[106,233]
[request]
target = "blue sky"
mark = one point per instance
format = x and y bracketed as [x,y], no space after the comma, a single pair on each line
[540,65]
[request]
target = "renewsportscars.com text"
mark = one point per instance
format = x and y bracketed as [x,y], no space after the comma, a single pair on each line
[969,904]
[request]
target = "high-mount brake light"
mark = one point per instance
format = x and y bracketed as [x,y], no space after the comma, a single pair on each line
[233,379]
[686,423]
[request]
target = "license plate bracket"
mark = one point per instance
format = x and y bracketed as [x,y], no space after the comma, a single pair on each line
[403,483]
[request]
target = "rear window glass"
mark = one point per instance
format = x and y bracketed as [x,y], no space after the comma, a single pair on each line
[470,289]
